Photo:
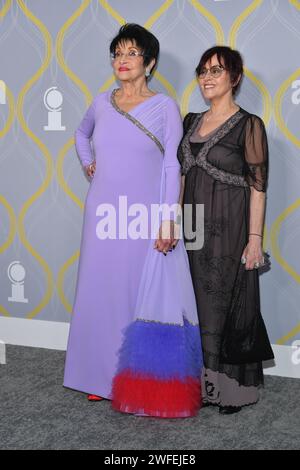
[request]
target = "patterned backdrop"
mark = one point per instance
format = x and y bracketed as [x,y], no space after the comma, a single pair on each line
[54,59]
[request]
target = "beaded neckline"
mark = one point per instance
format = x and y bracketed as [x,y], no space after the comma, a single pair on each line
[134,120]
[201,161]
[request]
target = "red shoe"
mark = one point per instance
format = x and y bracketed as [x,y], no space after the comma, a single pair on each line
[94,398]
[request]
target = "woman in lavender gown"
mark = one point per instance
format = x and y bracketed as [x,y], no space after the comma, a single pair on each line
[134,336]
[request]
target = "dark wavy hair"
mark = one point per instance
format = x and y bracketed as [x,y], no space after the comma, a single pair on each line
[229,58]
[142,38]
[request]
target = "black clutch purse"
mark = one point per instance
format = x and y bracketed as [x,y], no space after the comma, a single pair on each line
[245,339]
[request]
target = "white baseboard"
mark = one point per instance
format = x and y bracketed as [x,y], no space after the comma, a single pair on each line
[2,353]
[286,364]
[34,333]
[54,335]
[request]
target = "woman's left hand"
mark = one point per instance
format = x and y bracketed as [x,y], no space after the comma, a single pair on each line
[177,234]
[90,169]
[253,256]
[165,239]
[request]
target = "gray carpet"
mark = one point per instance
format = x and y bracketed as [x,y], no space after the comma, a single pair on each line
[36,412]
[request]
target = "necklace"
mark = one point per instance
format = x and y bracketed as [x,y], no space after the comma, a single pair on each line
[207,118]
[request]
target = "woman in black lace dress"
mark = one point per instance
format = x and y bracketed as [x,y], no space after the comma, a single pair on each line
[224,160]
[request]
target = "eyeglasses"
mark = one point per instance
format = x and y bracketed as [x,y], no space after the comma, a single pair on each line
[130,55]
[215,71]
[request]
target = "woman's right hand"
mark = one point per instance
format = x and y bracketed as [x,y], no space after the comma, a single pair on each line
[165,238]
[90,169]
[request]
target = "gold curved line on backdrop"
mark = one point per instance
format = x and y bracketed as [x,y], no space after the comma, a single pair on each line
[12,224]
[295,3]
[267,100]
[60,280]
[265,238]
[284,339]
[4,312]
[274,239]
[148,25]
[69,192]
[274,235]
[112,12]
[45,152]
[278,222]
[62,153]
[8,93]
[166,84]
[5,8]
[12,230]
[83,88]
[11,112]
[186,96]
[220,38]
[10,238]
[59,51]
[274,232]
[107,84]
[240,19]
[60,173]
[160,11]
[278,108]
[280,219]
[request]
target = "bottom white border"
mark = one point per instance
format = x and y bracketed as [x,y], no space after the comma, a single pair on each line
[54,335]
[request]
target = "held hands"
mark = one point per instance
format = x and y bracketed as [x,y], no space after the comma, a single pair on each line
[253,257]
[166,239]
[90,169]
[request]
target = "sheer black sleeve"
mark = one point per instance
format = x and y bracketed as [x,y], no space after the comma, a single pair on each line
[187,122]
[256,153]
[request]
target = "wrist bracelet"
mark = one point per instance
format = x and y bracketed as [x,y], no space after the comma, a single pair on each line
[257,234]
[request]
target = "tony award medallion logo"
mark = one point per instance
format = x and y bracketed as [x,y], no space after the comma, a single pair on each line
[53,100]
[16,273]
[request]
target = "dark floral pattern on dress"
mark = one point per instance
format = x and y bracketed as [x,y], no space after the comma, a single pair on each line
[211,391]
[214,279]
[218,175]
[215,228]
[214,270]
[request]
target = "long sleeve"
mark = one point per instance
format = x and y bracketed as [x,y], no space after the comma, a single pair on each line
[172,137]
[83,135]
[256,153]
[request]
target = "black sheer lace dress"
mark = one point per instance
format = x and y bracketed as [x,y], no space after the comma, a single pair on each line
[219,170]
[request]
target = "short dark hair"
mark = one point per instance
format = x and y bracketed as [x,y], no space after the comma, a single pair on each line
[230,58]
[143,39]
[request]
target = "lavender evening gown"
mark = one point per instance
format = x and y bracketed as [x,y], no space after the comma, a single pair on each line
[135,156]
